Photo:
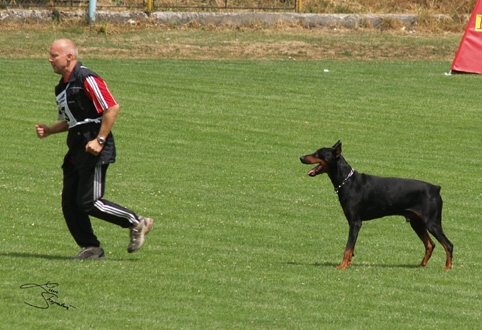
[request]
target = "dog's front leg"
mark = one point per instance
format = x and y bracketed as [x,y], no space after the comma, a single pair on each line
[355,227]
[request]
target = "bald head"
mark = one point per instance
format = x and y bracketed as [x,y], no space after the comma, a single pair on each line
[63,56]
[67,46]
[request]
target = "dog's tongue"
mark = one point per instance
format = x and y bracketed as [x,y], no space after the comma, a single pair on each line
[312,172]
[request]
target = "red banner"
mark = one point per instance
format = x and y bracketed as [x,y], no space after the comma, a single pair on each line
[469,55]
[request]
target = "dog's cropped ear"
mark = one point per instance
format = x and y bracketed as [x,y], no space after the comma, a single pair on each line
[337,149]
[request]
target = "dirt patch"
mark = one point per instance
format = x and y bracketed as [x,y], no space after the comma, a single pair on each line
[280,41]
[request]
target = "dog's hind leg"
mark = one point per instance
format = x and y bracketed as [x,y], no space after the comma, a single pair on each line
[436,230]
[419,227]
[434,226]
[433,222]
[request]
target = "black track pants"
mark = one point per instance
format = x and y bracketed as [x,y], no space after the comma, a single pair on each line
[82,194]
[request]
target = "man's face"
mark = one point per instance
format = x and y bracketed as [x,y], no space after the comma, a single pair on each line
[59,58]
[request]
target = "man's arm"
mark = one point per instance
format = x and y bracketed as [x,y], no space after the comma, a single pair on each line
[44,130]
[108,120]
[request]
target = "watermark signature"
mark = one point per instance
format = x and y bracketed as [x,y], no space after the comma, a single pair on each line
[47,295]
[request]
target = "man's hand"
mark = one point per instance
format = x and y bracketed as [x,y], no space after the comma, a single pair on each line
[94,147]
[42,130]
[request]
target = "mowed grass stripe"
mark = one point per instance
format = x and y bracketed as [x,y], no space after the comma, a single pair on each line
[243,238]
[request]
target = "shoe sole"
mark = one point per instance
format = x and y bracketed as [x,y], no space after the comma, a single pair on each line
[91,257]
[149,226]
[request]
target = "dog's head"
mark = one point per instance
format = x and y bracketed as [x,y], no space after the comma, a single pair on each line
[323,157]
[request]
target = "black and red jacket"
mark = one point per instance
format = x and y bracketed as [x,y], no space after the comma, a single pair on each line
[81,101]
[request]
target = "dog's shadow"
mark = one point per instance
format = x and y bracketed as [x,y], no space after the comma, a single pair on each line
[362,265]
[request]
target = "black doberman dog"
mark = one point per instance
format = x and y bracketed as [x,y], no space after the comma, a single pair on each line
[366,197]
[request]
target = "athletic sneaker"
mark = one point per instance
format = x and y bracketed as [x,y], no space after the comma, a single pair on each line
[92,252]
[138,233]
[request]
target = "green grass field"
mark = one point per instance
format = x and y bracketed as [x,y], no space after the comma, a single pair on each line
[243,238]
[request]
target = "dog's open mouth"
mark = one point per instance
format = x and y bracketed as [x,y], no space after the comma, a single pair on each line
[315,170]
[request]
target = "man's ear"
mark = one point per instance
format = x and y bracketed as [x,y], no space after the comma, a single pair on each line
[70,56]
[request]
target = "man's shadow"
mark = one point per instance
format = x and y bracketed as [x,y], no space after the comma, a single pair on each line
[55,257]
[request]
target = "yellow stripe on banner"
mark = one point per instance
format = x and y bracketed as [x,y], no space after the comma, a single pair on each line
[478,23]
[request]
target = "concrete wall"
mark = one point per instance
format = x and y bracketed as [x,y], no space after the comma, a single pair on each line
[217,19]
